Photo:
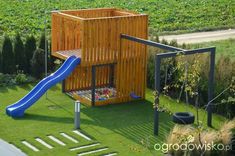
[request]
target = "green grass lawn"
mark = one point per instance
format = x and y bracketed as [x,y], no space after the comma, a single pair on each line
[223,47]
[171,15]
[123,128]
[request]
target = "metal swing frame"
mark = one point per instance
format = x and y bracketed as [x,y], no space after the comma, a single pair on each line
[174,52]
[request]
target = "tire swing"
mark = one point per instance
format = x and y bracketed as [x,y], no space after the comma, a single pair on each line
[186,117]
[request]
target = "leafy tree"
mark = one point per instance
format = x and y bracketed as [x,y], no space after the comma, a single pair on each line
[50,59]
[37,63]
[19,53]
[42,42]
[8,62]
[30,47]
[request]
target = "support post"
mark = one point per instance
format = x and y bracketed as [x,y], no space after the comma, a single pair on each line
[93,70]
[77,115]
[157,89]
[63,86]
[211,87]
[46,53]
[111,75]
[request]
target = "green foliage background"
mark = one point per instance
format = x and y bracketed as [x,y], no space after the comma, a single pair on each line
[27,16]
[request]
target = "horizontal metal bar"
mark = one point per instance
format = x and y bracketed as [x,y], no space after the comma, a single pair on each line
[151,43]
[186,52]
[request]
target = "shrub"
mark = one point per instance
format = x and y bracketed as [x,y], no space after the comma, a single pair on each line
[0,61]
[224,71]
[8,62]
[150,69]
[50,59]
[42,39]
[38,63]
[19,53]
[30,47]
[1,79]
[20,78]
[185,135]
[7,80]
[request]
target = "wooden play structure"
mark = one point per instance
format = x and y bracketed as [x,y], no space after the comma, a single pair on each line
[107,61]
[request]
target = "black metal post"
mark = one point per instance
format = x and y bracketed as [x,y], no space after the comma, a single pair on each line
[63,86]
[93,73]
[157,89]
[211,87]
[111,75]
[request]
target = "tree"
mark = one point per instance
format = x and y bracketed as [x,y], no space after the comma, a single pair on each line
[37,63]
[42,42]
[50,60]
[8,62]
[19,53]
[30,47]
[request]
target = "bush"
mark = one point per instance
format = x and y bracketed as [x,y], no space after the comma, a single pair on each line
[0,61]
[224,71]
[8,62]
[30,47]
[19,53]
[38,63]
[20,78]
[186,135]
[1,79]
[7,80]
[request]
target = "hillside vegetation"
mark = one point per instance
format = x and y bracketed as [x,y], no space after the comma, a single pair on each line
[27,16]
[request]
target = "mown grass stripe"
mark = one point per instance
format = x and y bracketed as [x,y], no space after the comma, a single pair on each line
[85,146]
[93,151]
[30,146]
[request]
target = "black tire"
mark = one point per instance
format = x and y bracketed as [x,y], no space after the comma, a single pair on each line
[183,118]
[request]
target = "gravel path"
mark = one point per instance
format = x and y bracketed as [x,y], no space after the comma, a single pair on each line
[201,36]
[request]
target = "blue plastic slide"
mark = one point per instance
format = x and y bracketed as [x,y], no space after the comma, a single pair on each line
[17,109]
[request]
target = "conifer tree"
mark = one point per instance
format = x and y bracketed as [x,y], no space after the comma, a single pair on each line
[30,47]
[8,61]
[19,53]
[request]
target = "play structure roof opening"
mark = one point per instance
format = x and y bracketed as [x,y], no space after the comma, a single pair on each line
[100,13]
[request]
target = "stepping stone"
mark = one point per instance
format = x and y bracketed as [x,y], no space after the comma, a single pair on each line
[69,137]
[85,146]
[43,143]
[82,135]
[93,151]
[35,149]
[110,154]
[56,140]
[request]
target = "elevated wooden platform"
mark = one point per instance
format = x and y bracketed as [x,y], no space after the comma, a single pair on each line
[67,53]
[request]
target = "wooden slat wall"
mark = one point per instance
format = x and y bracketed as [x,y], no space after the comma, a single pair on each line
[81,78]
[66,33]
[99,40]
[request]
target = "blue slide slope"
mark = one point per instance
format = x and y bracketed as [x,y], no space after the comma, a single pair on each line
[17,109]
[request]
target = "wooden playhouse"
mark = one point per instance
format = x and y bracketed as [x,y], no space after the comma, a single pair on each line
[108,63]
